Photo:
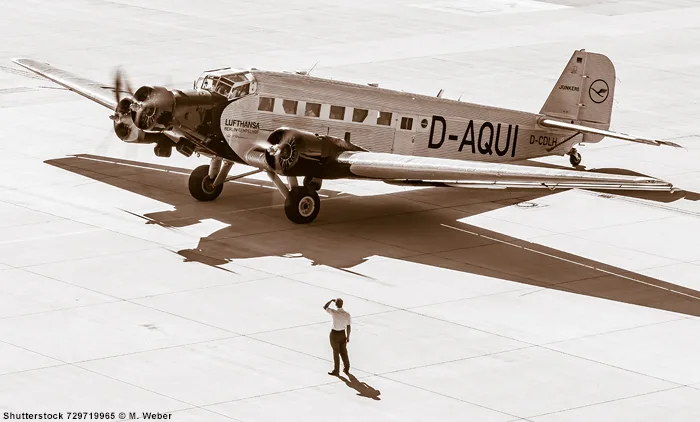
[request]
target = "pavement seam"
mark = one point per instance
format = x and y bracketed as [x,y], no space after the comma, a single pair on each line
[609,401]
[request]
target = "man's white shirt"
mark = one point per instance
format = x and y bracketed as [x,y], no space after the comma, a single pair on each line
[341,318]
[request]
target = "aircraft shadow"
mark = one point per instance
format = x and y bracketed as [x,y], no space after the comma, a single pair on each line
[352,228]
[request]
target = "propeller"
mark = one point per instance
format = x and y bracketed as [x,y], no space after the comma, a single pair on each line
[123,123]
[284,154]
[117,84]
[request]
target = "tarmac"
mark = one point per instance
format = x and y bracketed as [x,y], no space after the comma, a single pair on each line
[119,292]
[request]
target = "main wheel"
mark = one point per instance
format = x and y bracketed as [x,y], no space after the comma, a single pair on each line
[201,185]
[302,205]
[313,182]
[575,159]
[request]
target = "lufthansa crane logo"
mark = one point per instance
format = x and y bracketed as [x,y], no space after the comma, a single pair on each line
[598,91]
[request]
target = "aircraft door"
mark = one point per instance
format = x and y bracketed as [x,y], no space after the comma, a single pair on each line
[405,135]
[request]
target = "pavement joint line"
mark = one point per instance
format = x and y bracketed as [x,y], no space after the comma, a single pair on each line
[8,317]
[449,396]
[53,236]
[675,260]
[98,228]
[83,258]
[645,203]
[135,385]
[623,224]
[610,365]
[619,330]
[157,349]
[155,246]
[610,401]
[544,346]
[575,263]
[205,409]
[116,298]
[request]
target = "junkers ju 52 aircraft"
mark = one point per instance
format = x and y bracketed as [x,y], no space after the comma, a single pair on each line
[290,124]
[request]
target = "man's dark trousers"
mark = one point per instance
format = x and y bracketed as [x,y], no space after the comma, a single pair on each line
[339,344]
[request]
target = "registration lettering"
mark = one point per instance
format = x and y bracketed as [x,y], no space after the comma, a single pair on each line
[488,141]
[549,141]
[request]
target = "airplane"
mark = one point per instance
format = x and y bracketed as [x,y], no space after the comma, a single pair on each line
[290,124]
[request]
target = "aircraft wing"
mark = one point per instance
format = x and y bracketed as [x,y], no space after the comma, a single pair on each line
[85,87]
[404,169]
[587,129]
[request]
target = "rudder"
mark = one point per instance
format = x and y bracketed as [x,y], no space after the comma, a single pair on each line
[584,92]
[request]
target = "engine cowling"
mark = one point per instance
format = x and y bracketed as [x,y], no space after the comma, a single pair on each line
[152,108]
[294,152]
[127,131]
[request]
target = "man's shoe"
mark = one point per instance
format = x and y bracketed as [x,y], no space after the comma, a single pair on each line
[334,373]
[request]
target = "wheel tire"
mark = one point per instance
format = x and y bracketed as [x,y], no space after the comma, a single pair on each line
[575,159]
[315,185]
[302,205]
[200,185]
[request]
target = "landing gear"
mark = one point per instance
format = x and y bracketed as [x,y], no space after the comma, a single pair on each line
[207,182]
[574,157]
[202,186]
[301,203]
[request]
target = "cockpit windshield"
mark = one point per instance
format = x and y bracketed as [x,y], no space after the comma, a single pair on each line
[230,85]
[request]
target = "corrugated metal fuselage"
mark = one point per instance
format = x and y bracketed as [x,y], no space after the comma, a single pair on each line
[419,125]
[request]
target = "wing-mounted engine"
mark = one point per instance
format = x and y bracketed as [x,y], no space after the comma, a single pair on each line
[127,130]
[294,152]
[152,108]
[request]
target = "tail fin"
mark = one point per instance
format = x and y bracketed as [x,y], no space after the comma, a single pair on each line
[584,92]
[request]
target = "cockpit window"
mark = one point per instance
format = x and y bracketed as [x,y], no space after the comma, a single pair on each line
[223,87]
[208,83]
[240,91]
[232,86]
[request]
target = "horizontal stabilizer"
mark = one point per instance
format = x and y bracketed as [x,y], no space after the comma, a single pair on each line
[587,129]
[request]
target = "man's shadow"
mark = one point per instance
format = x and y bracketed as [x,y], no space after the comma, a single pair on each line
[363,389]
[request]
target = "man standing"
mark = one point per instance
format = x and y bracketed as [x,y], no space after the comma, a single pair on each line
[339,341]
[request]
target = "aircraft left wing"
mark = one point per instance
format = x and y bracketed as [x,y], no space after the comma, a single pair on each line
[85,87]
[404,169]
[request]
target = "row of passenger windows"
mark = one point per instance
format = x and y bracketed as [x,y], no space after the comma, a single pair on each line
[359,115]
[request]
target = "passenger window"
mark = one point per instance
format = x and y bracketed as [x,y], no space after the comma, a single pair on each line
[384,118]
[313,110]
[406,123]
[359,115]
[337,113]
[266,104]
[290,106]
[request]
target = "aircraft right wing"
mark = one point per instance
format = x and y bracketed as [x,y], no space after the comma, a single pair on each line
[402,169]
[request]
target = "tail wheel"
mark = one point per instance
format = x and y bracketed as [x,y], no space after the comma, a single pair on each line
[302,205]
[575,159]
[202,186]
